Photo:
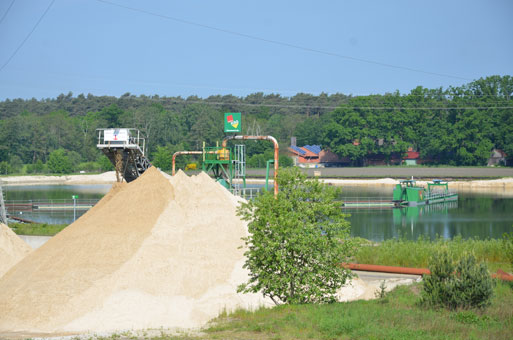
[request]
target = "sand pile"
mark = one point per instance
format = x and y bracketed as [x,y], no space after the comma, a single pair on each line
[12,249]
[155,252]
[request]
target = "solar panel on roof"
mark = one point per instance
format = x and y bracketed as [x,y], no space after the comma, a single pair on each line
[316,149]
[300,151]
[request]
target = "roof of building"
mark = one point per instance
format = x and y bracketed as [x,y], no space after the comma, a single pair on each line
[412,155]
[297,150]
[316,149]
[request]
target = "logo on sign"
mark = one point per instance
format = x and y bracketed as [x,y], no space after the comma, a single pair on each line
[233,123]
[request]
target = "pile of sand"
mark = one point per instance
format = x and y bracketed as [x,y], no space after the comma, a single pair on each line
[158,252]
[12,249]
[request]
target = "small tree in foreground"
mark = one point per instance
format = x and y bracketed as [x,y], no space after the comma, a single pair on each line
[297,241]
[462,284]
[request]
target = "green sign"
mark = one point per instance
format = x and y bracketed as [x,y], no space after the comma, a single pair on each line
[232,122]
[74,197]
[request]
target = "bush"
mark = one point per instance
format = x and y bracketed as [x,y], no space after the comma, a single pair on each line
[36,168]
[59,162]
[104,163]
[88,166]
[453,285]
[5,168]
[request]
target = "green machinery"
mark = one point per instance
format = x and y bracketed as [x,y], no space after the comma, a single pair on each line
[408,193]
[227,165]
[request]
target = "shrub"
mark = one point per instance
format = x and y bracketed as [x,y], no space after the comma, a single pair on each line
[59,162]
[104,163]
[5,168]
[462,284]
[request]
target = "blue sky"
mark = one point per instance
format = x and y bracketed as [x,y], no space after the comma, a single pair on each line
[89,46]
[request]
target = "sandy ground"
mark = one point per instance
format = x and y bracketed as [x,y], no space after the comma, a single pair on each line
[110,177]
[104,178]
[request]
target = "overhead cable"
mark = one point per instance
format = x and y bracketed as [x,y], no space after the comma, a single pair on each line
[276,42]
[7,11]
[28,36]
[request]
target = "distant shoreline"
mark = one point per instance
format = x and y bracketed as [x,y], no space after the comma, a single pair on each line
[110,177]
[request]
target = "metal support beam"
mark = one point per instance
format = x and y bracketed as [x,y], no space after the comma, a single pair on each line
[178,153]
[276,152]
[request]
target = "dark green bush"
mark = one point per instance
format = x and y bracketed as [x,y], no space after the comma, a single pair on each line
[457,285]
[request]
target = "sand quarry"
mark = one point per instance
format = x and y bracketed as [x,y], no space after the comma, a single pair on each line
[12,249]
[159,252]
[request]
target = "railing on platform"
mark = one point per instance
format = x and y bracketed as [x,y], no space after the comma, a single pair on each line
[367,202]
[246,193]
[13,206]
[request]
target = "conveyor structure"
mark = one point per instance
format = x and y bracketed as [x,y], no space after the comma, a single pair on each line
[125,149]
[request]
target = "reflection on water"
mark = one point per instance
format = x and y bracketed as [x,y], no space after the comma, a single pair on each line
[56,194]
[475,214]
[408,217]
[482,215]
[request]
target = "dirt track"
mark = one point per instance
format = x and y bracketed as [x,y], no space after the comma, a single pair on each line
[400,172]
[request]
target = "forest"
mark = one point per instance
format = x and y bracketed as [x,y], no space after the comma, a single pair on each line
[455,126]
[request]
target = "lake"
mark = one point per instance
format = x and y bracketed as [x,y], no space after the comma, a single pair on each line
[476,214]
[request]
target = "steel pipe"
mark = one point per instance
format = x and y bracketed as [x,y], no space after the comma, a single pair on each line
[183,153]
[386,269]
[412,271]
[276,152]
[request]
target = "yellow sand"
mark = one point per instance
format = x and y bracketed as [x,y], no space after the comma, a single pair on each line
[12,249]
[157,252]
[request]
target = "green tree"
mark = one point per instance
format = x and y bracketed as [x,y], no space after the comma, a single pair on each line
[59,162]
[162,158]
[112,115]
[297,241]
[104,163]
[5,168]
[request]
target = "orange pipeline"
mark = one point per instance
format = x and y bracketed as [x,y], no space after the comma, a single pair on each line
[408,270]
[183,153]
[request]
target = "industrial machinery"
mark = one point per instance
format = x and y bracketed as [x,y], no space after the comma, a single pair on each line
[226,165]
[125,149]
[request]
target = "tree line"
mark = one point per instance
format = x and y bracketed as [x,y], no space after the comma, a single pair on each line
[457,125]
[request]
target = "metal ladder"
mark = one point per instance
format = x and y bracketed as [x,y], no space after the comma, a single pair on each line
[239,179]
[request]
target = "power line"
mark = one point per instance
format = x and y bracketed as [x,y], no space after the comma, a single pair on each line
[28,36]
[8,8]
[276,42]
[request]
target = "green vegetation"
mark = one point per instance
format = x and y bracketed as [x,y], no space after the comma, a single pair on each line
[296,242]
[407,253]
[461,284]
[37,229]
[507,240]
[461,127]
[400,318]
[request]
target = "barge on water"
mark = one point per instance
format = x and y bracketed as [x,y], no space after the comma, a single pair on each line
[407,193]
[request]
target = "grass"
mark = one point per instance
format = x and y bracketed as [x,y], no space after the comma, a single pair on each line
[399,317]
[407,253]
[37,229]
